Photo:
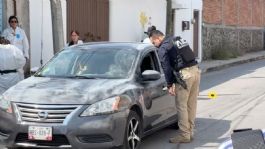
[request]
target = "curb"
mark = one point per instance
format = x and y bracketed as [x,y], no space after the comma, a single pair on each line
[222,66]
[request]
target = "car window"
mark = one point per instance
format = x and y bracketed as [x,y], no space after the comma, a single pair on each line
[113,62]
[150,62]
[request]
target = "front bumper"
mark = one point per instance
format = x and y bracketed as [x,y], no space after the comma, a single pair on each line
[97,132]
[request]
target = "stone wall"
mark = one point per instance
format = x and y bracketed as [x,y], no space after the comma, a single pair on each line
[236,25]
[239,40]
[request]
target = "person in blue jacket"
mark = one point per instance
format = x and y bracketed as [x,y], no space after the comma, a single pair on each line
[176,57]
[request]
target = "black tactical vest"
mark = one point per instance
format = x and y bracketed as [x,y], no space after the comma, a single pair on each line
[185,56]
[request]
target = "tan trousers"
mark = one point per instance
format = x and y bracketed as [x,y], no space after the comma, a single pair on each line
[186,100]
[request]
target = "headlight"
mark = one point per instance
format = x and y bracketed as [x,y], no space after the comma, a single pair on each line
[5,104]
[107,106]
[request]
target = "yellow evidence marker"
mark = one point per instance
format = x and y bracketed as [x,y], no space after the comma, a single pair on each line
[212,95]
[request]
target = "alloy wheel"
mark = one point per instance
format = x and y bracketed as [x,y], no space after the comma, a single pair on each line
[134,133]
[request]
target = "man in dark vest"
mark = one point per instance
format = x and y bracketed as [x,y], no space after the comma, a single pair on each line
[183,79]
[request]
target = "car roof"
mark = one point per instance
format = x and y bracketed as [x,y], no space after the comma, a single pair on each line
[134,45]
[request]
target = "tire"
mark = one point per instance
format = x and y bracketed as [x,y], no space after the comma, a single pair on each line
[132,137]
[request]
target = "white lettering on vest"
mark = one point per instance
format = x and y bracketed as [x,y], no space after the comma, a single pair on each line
[181,43]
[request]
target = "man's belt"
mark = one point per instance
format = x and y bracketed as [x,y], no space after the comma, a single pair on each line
[189,67]
[7,71]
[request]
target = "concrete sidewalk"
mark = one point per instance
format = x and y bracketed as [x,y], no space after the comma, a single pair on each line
[213,65]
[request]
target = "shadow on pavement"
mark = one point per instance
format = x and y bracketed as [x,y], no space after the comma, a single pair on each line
[211,79]
[209,134]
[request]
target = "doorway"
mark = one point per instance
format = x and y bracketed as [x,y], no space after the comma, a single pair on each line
[196,15]
[90,18]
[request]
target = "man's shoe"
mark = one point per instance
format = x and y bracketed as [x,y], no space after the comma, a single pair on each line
[179,139]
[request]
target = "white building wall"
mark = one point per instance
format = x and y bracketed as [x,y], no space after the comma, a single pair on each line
[125,18]
[124,23]
[41,31]
[64,12]
[183,15]
[184,12]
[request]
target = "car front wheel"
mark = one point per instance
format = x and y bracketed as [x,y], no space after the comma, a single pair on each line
[133,131]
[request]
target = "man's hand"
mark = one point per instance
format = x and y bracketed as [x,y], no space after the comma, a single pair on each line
[172,90]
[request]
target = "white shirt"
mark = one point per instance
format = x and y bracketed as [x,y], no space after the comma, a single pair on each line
[11,58]
[147,40]
[20,39]
[78,42]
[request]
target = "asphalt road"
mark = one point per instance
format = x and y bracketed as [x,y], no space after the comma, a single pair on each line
[239,104]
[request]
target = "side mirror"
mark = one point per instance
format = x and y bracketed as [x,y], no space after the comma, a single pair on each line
[150,75]
[34,70]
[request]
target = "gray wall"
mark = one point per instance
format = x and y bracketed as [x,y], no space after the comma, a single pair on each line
[23,15]
[238,39]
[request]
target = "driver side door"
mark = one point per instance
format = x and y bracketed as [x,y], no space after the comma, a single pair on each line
[159,106]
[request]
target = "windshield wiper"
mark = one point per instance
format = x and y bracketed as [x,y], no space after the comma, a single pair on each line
[82,77]
[38,75]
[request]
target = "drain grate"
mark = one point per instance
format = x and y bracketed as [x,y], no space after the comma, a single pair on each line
[250,139]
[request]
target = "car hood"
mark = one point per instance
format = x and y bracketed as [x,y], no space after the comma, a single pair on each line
[41,90]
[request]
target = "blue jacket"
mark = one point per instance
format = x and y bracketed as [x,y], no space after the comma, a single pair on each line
[167,55]
[175,53]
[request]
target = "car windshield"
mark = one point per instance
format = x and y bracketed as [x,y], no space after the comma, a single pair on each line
[109,62]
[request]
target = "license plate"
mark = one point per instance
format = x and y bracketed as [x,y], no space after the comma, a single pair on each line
[40,133]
